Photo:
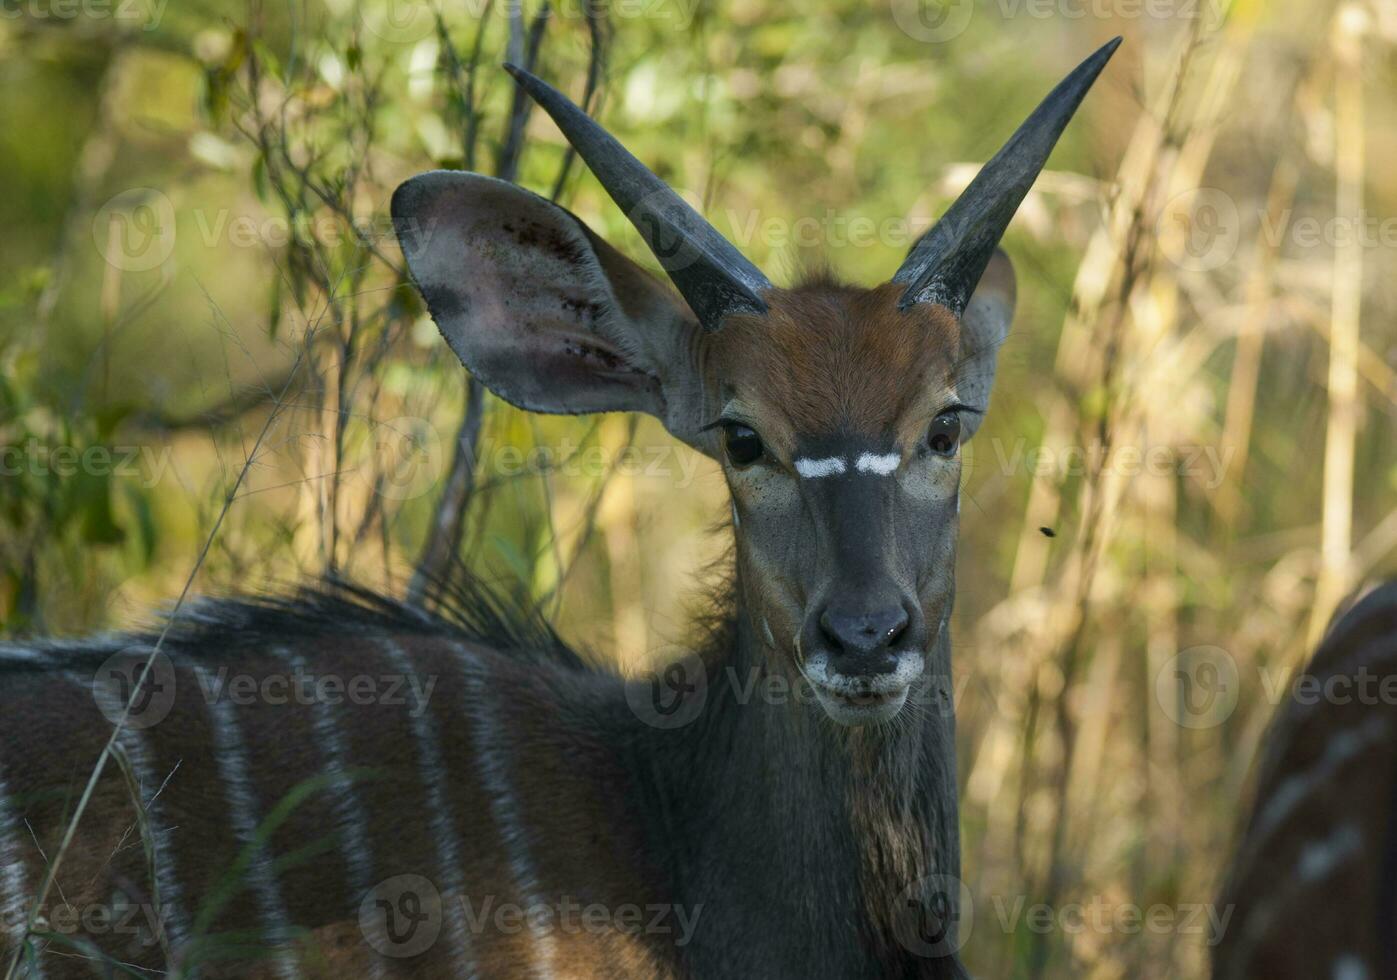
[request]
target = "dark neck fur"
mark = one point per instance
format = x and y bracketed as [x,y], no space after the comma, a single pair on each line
[808,840]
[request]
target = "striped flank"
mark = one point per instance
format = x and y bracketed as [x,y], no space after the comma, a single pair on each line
[493,757]
[244,817]
[351,817]
[444,829]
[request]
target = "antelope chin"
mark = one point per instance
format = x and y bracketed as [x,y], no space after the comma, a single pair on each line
[863,700]
[861,709]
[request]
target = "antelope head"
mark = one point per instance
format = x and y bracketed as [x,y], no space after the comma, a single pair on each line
[837,412]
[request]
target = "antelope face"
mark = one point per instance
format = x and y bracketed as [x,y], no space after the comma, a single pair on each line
[837,412]
[839,424]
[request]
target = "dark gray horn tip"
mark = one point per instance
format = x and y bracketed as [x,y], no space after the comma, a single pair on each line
[714,278]
[946,263]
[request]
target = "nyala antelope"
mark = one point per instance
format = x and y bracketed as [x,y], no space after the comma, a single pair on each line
[1312,892]
[525,815]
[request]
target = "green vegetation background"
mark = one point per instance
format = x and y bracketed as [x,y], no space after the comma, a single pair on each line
[1197,398]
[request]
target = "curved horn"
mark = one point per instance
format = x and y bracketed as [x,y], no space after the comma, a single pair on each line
[714,278]
[946,263]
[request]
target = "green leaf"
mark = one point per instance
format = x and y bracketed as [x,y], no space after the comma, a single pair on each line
[144,518]
[92,502]
[260,184]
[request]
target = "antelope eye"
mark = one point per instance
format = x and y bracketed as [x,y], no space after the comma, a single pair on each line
[944,437]
[743,446]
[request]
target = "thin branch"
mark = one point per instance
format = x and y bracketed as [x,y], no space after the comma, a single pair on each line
[70,833]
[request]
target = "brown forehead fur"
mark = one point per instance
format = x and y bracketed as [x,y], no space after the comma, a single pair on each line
[831,358]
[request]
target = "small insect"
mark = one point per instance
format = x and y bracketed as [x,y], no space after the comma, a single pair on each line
[1047,532]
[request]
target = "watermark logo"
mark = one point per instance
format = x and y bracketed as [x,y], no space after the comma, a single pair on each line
[1199,687]
[139,923]
[303,687]
[399,21]
[145,463]
[272,231]
[655,218]
[411,21]
[1200,229]
[1102,917]
[410,455]
[1202,464]
[135,230]
[124,678]
[676,464]
[936,21]
[967,463]
[933,21]
[402,916]
[673,695]
[572,917]
[933,916]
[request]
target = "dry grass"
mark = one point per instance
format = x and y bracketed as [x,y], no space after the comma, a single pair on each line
[1226,380]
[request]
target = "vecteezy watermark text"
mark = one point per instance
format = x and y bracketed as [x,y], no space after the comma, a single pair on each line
[140,921]
[1207,465]
[1100,916]
[571,917]
[148,464]
[145,14]
[935,21]
[301,686]
[403,916]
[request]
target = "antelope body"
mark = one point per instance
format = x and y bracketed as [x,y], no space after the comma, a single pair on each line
[1313,886]
[506,808]
[526,784]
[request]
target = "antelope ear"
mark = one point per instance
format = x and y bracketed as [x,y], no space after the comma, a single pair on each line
[983,327]
[545,313]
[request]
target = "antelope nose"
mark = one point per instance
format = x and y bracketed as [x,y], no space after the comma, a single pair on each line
[863,631]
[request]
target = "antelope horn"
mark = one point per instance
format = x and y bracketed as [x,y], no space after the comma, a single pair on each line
[946,263]
[714,278]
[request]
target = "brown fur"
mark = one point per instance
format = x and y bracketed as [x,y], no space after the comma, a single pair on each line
[574,810]
[831,357]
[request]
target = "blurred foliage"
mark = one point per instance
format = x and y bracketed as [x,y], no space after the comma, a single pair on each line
[197,273]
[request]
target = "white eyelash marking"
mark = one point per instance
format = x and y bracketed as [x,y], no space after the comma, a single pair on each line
[881,465]
[812,469]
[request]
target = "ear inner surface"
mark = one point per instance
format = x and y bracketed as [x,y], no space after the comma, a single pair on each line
[983,328]
[518,288]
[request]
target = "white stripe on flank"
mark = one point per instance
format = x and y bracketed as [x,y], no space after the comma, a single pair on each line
[356,846]
[14,888]
[1298,786]
[444,830]
[813,469]
[233,765]
[492,752]
[29,656]
[132,742]
[880,465]
[1317,860]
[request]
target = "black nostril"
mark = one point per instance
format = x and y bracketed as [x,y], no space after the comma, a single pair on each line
[863,632]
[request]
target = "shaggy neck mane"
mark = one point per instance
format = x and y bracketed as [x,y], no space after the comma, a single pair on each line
[855,815]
